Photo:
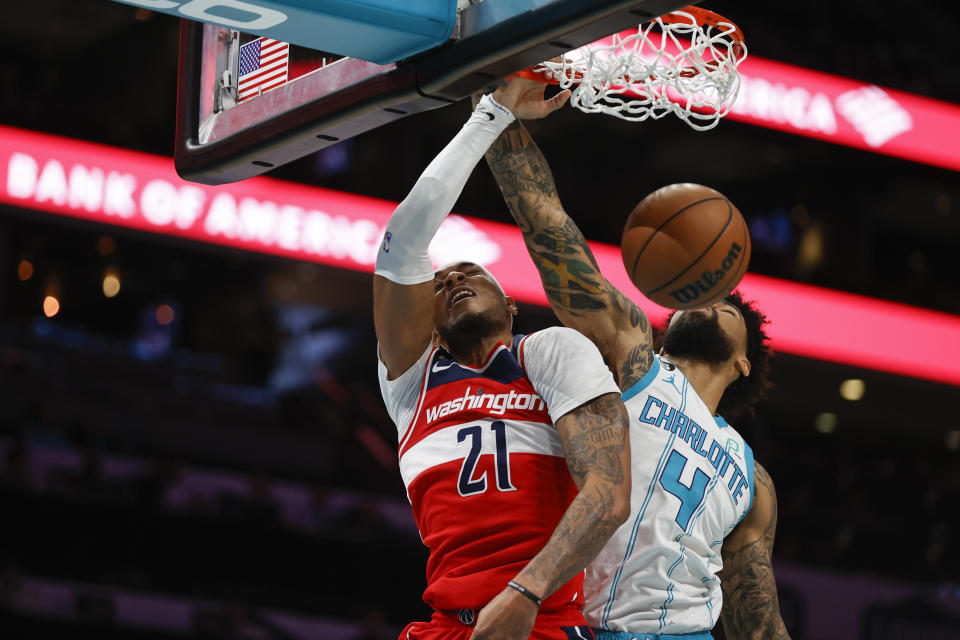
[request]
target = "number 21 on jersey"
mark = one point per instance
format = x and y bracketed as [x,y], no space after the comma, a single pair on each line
[466,484]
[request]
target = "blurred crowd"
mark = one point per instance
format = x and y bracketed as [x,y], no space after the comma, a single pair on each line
[70,494]
[156,495]
[220,489]
[883,512]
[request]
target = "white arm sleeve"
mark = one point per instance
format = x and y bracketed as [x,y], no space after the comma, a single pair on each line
[403,255]
[566,369]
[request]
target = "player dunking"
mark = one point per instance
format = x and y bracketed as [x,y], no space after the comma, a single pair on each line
[698,496]
[513,449]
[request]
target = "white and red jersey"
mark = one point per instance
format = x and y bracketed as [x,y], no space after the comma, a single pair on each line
[483,463]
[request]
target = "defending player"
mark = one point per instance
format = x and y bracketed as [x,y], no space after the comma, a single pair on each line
[696,486]
[513,449]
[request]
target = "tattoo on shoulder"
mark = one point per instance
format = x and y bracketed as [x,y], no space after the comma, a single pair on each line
[635,366]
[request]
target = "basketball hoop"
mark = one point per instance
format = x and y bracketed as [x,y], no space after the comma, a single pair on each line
[684,62]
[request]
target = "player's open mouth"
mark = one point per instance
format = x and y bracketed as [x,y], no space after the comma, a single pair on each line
[459,294]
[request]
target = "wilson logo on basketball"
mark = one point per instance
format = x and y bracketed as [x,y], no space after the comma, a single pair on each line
[709,279]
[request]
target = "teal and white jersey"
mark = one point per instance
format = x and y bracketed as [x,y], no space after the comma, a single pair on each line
[692,484]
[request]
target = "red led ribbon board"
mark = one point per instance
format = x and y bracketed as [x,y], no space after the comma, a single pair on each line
[820,105]
[139,191]
[848,112]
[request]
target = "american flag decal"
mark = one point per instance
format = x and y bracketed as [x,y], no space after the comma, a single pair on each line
[263,66]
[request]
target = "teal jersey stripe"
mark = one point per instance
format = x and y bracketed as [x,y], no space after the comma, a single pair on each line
[643,382]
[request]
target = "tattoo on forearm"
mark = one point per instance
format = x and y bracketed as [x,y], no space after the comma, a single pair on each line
[570,274]
[766,484]
[596,439]
[569,283]
[604,435]
[751,608]
[594,443]
[517,168]
[568,269]
[638,319]
[577,539]
[566,239]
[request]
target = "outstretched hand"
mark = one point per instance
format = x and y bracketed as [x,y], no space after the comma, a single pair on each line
[524,98]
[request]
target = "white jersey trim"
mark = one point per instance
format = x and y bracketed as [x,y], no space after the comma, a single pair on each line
[441,446]
[402,396]
[564,367]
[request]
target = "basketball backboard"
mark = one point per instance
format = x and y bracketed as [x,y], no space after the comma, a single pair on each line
[228,131]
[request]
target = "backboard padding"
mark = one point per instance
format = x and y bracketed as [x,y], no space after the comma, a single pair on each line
[452,72]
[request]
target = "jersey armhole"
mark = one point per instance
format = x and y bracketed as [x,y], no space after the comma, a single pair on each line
[520,354]
[748,459]
[404,435]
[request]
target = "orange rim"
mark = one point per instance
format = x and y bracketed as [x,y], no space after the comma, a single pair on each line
[703,17]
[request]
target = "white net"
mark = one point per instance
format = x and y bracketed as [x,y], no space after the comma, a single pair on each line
[668,65]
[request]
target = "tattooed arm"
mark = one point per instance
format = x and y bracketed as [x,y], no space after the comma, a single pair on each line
[751,609]
[595,444]
[578,293]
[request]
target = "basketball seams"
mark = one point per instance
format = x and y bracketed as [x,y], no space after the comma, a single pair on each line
[738,274]
[698,260]
[705,251]
[666,222]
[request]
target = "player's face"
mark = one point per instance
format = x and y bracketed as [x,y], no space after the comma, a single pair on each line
[463,292]
[715,334]
[731,323]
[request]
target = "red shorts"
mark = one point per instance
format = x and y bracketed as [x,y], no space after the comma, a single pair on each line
[564,624]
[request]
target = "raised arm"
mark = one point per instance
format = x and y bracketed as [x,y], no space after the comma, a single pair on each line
[597,450]
[751,608]
[579,294]
[403,286]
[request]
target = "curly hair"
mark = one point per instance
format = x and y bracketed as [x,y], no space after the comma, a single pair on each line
[743,394]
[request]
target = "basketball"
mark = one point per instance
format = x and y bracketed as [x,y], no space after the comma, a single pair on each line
[685,246]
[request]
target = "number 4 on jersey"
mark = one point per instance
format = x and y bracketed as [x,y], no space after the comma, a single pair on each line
[466,485]
[690,497]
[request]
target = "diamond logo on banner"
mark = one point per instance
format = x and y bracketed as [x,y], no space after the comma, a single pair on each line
[874,114]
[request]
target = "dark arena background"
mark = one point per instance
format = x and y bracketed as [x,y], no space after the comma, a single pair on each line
[192,441]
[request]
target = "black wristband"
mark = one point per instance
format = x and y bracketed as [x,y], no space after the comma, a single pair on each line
[537,601]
